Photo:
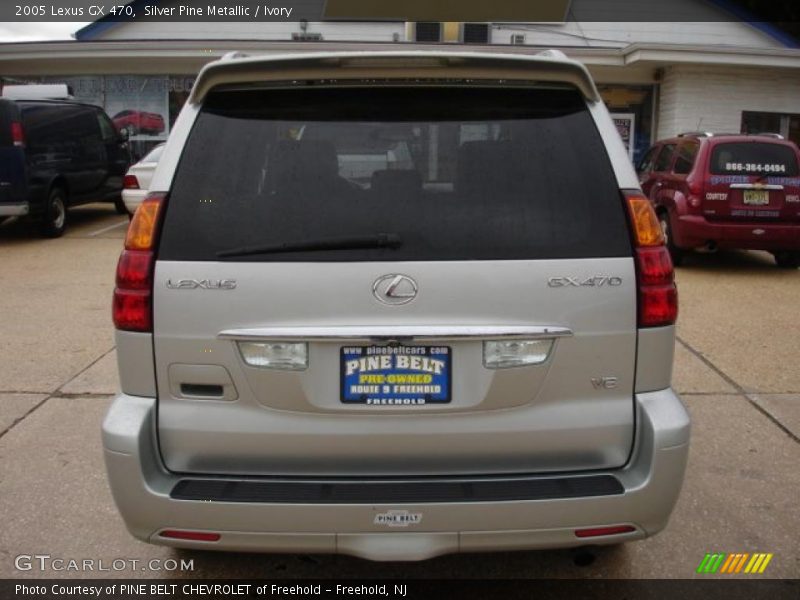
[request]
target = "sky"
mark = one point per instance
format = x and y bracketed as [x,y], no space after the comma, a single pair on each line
[31,32]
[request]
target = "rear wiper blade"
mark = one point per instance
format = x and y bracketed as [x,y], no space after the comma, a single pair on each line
[351,242]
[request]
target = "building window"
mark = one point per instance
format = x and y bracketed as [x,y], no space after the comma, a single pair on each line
[788,125]
[632,108]
[475,33]
[428,31]
[518,39]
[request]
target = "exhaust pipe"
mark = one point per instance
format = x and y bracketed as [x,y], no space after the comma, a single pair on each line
[709,248]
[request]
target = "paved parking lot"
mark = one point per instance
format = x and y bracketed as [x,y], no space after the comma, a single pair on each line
[737,368]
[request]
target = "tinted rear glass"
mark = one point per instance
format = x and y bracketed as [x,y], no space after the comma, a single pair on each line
[753,158]
[456,173]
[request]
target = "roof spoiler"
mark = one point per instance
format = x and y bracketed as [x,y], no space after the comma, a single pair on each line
[550,66]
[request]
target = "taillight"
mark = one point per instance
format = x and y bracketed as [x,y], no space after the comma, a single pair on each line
[132,307]
[17,134]
[657,294]
[695,194]
[129,182]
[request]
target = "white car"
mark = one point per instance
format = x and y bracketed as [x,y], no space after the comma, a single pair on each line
[137,179]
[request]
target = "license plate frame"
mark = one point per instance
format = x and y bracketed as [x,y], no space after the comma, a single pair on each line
[755,197]
[423,377]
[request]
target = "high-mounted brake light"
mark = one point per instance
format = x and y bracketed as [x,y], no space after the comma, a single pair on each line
[132,307]
[657,294]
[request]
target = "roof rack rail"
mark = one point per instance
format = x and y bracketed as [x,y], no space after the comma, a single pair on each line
[770,134]
[552,53]
[234,55]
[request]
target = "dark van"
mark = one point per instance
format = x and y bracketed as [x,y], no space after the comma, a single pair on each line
[55,154]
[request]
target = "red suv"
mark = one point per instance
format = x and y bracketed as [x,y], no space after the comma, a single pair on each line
[726,191]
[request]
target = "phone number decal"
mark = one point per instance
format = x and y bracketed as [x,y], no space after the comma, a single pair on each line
[755,167]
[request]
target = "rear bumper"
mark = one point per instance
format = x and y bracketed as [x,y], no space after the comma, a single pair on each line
[692,231]
[132,199]
[648,490]
[19,209]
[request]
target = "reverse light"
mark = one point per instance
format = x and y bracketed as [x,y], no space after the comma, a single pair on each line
[132,305]
[129,182]
[506,354]
[657,294]
[286,356]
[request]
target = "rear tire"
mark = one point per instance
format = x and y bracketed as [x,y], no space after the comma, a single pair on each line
[54,219]
[787,259]
[677,254]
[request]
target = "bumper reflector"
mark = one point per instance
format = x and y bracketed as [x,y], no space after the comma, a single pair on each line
[195,536]
[501,354]
[599,531]
[286,356]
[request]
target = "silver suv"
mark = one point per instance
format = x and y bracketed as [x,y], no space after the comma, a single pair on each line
[395,305]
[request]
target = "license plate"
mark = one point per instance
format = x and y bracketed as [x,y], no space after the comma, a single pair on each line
[396,375]
[756,197]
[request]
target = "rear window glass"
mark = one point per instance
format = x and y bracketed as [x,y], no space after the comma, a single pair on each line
[753,158]
[447,173]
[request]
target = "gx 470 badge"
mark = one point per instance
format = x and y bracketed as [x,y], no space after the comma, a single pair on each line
[596,281]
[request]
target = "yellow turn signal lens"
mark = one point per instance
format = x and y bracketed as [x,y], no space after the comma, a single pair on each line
[646,227]
[142,230]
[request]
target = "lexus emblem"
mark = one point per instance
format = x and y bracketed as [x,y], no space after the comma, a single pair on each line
[394,289]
